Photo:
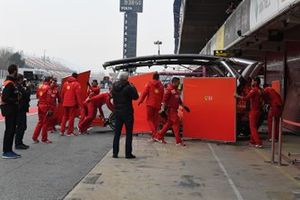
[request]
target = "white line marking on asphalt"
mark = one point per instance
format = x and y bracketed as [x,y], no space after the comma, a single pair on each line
[236,191]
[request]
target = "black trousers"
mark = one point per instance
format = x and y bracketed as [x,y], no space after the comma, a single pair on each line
[128,120]
[9,133]
[21,127]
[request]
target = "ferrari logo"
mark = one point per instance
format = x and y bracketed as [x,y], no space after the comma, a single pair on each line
[208,98]
[156,91]
[68,87]
[41,94]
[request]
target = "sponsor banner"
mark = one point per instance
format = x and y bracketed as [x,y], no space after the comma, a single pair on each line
[208,48]
[203,51]
[220,38]
[262,11]
[239,21]
[249,16]
[131,6]
[212,45]
[283,4]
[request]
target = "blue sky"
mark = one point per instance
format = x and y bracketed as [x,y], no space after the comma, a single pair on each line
[84,33]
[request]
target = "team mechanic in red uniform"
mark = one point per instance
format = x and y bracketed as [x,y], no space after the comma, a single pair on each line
[92,91]
[71,101]
[256,98]
[154,92]
[272,98]
[44,112]
[171,102]
[92,104]
[54,99]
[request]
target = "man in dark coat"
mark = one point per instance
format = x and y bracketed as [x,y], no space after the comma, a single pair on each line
[23,108]
[9,109]
[123,93]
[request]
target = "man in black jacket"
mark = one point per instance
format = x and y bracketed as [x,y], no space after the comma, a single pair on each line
[9,108]
[123,93]
[24,100]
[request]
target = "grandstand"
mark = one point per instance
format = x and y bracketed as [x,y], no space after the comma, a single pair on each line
[46,67]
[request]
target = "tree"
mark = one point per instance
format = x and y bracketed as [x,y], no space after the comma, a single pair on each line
[5,55]
[17,59]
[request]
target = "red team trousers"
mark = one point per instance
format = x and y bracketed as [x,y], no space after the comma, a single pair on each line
[42,124]
[253,122]
[91,114]
[69,115]
[153,119]
[174,122]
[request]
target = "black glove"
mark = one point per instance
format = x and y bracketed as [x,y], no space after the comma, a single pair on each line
[49,113]
[187,109]
[163,114]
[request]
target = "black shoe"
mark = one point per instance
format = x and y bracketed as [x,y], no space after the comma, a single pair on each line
[131,156]
[26,146]
[21,147]
[115,156]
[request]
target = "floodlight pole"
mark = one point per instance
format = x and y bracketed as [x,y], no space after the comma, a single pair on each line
[158,43]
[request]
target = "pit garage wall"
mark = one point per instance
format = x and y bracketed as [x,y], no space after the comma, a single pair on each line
[250,16]
[285,67]
[291,114]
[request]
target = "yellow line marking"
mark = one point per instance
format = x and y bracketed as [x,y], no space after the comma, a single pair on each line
[284,173]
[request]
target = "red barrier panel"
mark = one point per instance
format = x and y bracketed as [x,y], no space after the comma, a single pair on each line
[140,120]
[213,109]
[83,78]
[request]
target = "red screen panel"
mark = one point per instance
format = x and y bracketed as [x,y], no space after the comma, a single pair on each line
[140,120]
[213,109]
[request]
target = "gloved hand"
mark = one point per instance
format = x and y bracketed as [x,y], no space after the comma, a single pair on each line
[237,96]
[162,111]
[162,108]
[87,100]
[49,113]
[187,109]
[163,114]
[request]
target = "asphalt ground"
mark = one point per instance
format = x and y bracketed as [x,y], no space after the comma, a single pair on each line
[50,171]
[200,170]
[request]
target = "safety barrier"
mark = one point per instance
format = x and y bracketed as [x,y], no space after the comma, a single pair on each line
[279,145]
[292,157]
